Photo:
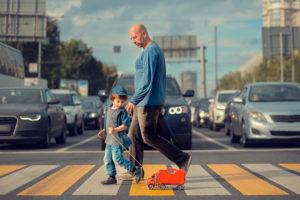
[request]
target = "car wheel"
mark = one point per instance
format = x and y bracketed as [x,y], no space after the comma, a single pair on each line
[233,137]
[103,144]
[227,128]
[62,138]
[244,140]
[47,139]
[215,127]
[73,130]
[210,125]
[81,129]
[151,186]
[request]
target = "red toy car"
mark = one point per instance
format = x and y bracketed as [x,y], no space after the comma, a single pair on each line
[169,176]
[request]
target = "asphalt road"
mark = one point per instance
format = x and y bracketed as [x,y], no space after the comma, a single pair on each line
[219,170]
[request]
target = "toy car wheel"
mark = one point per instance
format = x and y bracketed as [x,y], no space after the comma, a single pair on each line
[151,187]
[180,187]
[162,187]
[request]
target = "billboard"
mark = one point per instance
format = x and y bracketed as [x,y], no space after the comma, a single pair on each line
[180,46]
[22,20]
[80,86]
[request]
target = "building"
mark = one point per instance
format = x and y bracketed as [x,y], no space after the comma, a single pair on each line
[189,81]
[281,27]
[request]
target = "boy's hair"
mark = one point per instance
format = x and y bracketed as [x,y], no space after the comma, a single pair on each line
[116,96]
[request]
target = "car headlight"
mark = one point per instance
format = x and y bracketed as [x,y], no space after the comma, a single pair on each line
[257,116]
[177,110]
[202,114]
[92,115]
[32,118]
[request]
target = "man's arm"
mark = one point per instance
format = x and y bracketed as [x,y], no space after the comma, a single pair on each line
[149,65]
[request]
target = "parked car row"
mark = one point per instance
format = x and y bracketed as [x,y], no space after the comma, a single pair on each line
[259,112]
[35,115]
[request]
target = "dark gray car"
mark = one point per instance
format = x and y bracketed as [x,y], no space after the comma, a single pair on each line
[31,115]
[176,110]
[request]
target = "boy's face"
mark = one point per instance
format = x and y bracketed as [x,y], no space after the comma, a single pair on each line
[117,103]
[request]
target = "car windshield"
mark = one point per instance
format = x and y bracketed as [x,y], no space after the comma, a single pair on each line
[20,96]
[65,99]
[223,98]
[172,88]
[264,93]
[88,105]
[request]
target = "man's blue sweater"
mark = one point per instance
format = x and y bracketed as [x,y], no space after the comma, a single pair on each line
[150,77]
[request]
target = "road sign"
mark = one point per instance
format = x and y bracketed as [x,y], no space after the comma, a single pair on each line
[22,20]
[180,46]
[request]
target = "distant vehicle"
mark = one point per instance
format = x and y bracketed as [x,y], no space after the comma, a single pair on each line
[176,110]
[217,108]
[201,116]
[73,109]
[31,115]
[166,177]
[228,113]
[92,111]
[266,111]
[11,61]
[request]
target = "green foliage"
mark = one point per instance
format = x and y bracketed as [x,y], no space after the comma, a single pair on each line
[268,70]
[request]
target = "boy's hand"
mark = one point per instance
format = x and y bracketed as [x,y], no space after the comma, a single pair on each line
[112,131]
[101,134]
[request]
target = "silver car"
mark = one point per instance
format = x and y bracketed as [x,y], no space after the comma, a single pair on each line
[266,111]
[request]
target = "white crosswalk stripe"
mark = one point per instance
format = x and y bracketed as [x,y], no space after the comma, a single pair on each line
[92,185]
[284,178]
[199,181]
[15,180]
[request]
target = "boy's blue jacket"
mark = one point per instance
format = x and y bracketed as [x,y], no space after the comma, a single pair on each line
[123,118]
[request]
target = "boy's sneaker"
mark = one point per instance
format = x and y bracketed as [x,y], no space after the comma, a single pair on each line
[138,174]
[109,181]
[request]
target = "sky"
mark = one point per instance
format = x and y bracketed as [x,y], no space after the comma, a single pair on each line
[103,24]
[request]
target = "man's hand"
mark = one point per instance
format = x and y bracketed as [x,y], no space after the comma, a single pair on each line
[112,131]
[101,133]
[130,107]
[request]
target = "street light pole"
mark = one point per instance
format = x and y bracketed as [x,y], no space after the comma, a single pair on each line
[281,58]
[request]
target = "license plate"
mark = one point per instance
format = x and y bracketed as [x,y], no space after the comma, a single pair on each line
[5,128]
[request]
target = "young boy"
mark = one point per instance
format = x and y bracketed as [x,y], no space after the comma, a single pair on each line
[117,122]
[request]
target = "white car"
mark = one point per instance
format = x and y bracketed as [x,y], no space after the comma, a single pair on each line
[73,109]
[216,108]
[266,111]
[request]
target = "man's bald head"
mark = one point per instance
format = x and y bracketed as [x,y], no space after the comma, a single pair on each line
[139,35]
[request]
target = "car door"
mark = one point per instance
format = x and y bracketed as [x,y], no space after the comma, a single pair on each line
[241,111]
[54,111]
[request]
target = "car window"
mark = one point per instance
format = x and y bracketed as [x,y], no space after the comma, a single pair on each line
[88,104]
[65,99]
[263,93]
[49,96]
[172,88]
[224,97]
[20,96]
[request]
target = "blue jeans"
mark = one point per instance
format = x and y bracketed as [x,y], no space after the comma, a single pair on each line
[114,155]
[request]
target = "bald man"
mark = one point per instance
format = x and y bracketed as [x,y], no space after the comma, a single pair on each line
[147,102]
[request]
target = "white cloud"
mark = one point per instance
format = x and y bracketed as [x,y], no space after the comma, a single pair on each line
[60,8]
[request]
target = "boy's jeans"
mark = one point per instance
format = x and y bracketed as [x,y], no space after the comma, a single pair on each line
[114,155]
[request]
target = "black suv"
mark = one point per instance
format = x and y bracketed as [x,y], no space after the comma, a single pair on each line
[176,109]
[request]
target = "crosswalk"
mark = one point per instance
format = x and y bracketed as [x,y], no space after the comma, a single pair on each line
[260,179]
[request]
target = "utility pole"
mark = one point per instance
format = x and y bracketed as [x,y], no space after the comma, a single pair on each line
[203,71]
[39,61]
[216,57]
[281,58]
[292,41]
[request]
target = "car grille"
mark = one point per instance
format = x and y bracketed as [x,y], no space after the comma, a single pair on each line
[285,118]
[7,125]
[285,133]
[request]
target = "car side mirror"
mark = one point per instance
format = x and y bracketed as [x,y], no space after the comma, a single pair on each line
[103,95]
[53,101]
[189,93]
[237,100]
